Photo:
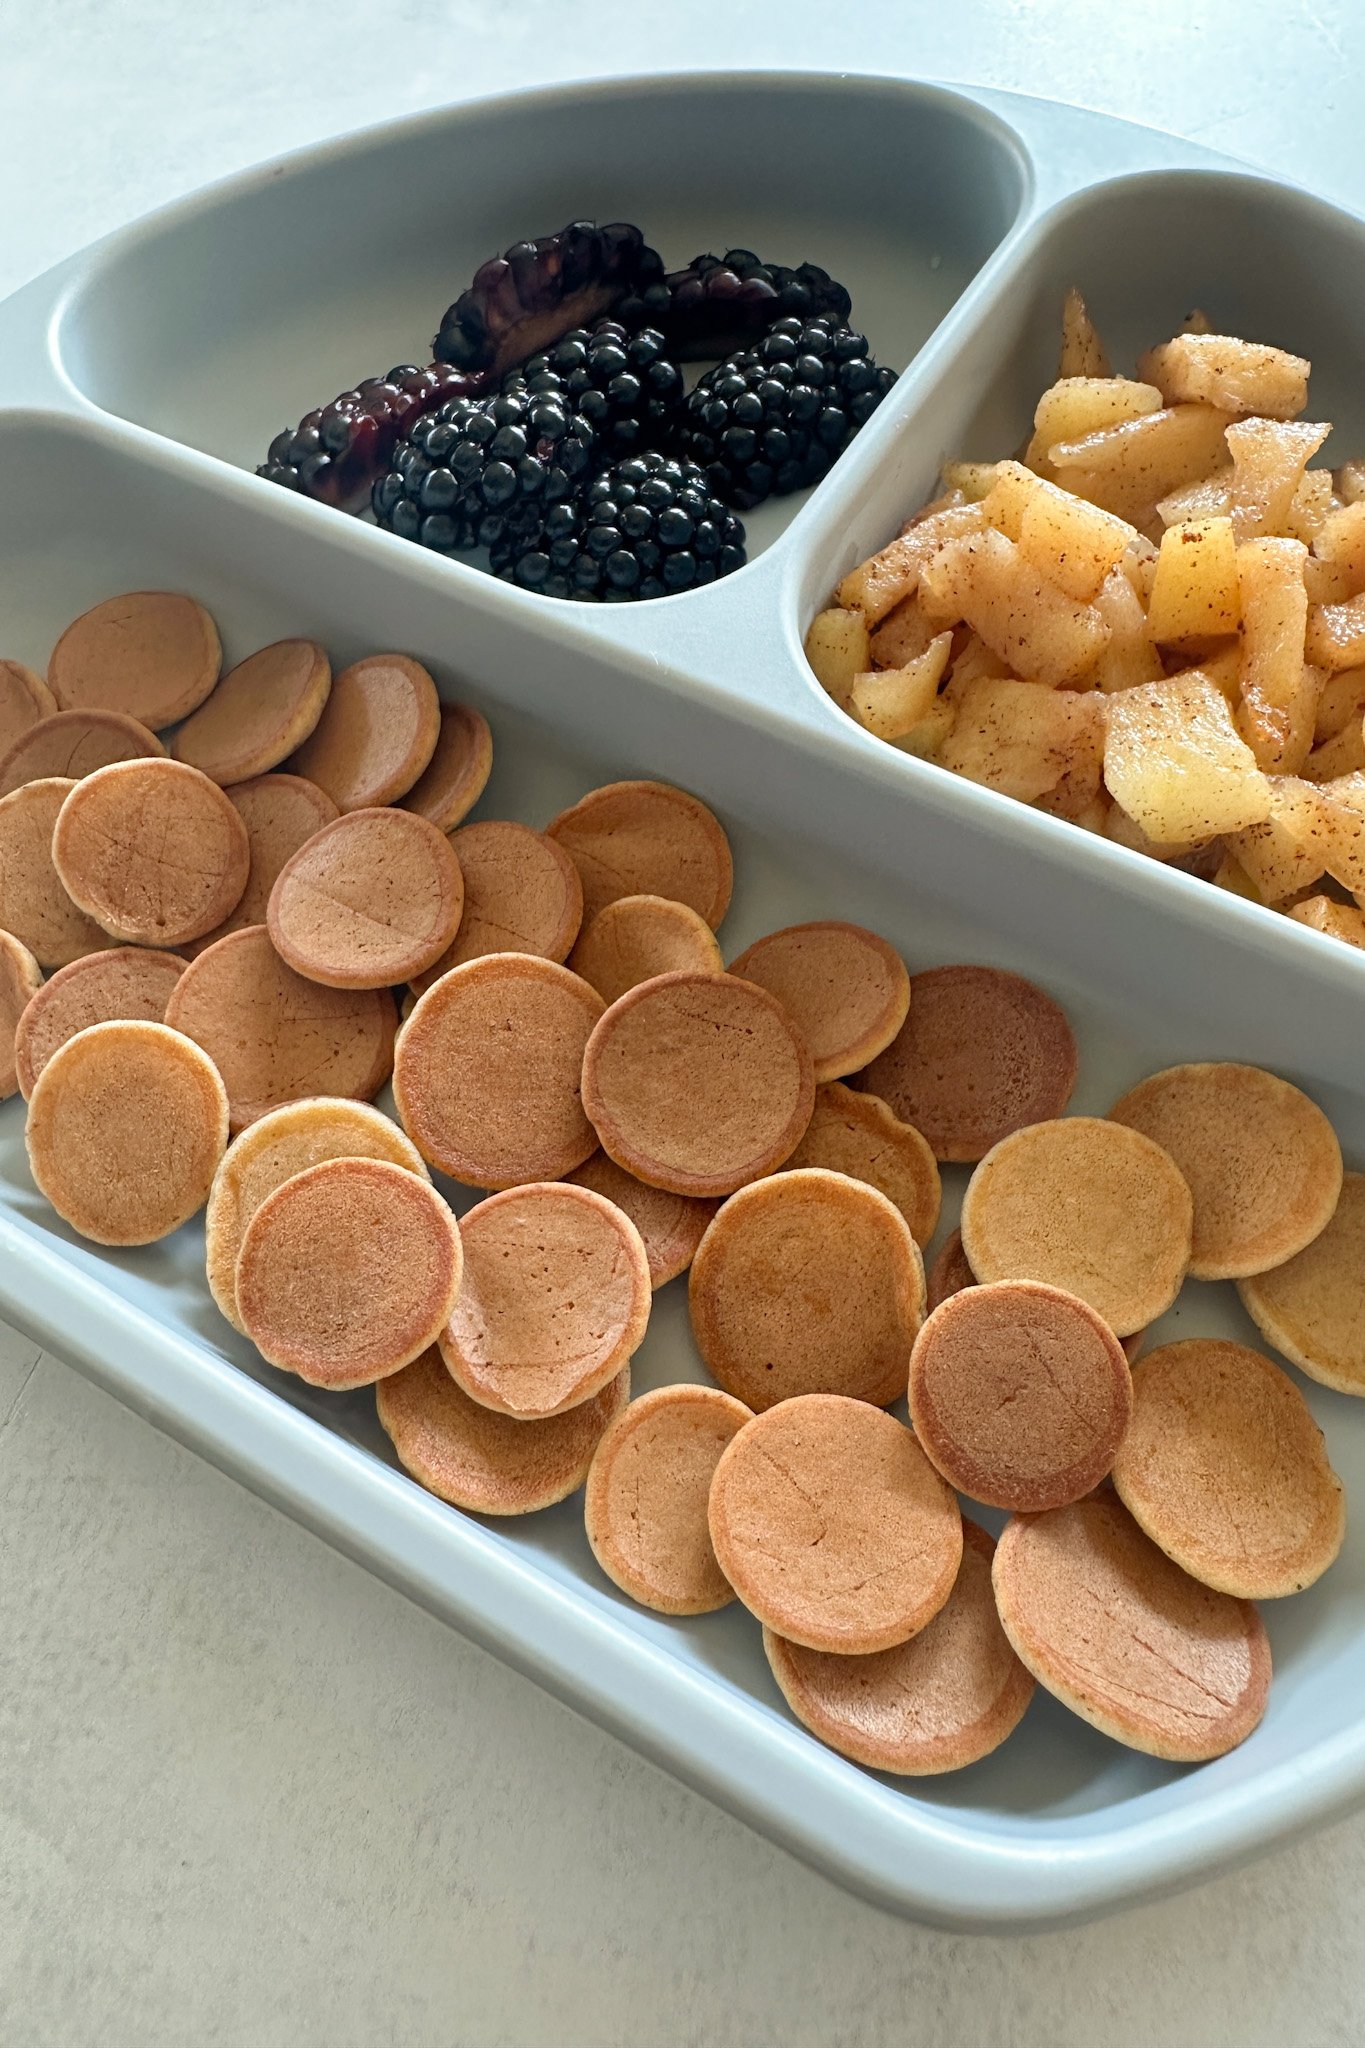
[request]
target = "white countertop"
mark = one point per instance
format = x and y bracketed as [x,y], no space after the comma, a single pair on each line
[247,1794]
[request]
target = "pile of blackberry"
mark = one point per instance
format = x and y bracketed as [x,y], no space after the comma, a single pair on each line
[555,429]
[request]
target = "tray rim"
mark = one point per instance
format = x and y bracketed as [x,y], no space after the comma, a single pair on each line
[976,1884]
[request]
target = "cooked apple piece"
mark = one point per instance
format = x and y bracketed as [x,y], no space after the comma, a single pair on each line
[1269,458]
[1021,738]
[973,663]
[1007,500]
[891,701]
[1326,583]
[1196,594]
[1038,631]
[1129,468]
[1344,804]
[1083,353]
[1288,850]
[1210,498]
[1082,405]
[1335,635]
[1130,657]
[1340,543]
[1340,702]
[902,634]
[837,649]
[972,480]
[1240,377]
[884,579]
[1079,793]
[1073,543]
[1338,920]
[1125,831]
[1311,505]
[928,736]
[1233,877]
[1279,693]
[1220,665]
[1350,482]
[1343,754]
[1175,762]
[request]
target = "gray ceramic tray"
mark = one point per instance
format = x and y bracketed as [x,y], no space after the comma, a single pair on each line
[140,381]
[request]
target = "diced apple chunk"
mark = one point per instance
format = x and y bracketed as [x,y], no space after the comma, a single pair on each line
[1311,505]
[837,649]
[1083,353]
[1129,468]
[892,701]
[1083,405]
[1336,634]
[1210,498]
[1039,632]
[1340,543]
[902,634]
[1268,461]
[972,479]
[1130,657]
[1196,594]
[1021,738]
[1341,701]
[1288,850]
[1337,920]
[884,579]
[928,736]
[1241,377]
[1344,804]
[1279,694]
[1175,762]
[1074,544]
[1343,754]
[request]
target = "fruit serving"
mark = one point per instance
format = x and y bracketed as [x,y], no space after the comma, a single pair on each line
[1150,622]
[555,429]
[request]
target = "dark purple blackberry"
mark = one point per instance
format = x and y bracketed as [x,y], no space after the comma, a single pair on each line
[774,417]
[337,452]
[480,469]
[723,303]
[523,300]
[622,384]
[644,528]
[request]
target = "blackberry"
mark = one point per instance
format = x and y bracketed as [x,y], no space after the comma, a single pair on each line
[773,418]
[644,528]
[477,470]
[337,451]
[722,303]
[523,300]
[622,384]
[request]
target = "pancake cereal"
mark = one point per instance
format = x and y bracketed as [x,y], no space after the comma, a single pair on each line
[372,899]
[521,895]
[647,1494]
[34,905]
[152,850]
[845,989]
[1312,1308]
[456,775]
[637,938]
[377,733]
[861,1136]
[24,699]
[647,839]
[153,654]
[127,982]
[73,744]
[670,1226]
[280,812]
[259,713]
[20,979]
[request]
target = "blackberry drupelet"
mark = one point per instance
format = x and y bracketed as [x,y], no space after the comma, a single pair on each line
[338,451]
[624,385]
[722,303]
[479,470]
[522,301]
[773,418]
[647,527]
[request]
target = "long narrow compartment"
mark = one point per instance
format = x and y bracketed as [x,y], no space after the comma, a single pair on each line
[695,1694]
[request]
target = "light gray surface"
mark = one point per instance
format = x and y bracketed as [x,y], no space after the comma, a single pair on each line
[247,1794]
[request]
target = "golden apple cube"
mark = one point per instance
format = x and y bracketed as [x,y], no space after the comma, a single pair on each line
[1035,628]
[1241,377]
[1269,458]
[1341,701]
[838,650]
[1340,543]
[1196,594]
[1129,468]
[1288,850]
[891,701]
[928,736]
[1343,754]
[1337,920]
[1082,405]
[1130,657]
[885,578]
[1279,697]
[1335,637]
[1073,543]
[1083,353]
[1020,738]
[1175,762]
[902,635]
[1210,498]
[1344,802]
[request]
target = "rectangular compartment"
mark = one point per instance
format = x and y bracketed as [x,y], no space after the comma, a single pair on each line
[228,319]
[1060,1822]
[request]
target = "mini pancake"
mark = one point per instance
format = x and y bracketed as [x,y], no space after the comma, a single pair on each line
[521,895]
[670,1226]
[698,1083]
[846,990]
[152,850]
[487,1071]
[1086,1205]
[859,1135]
[555,1300]
[377,733]
[637,938]
[981,1054]
[1124,1638]
[647,839]
[275,1037]
[1312,1308]
[280,812]
[20,980]
[348,1271]
[34,905]
[126,1126]
[152,653]
[75,743]
[270,1152]
[950,1272]
[946,1698]
[833,1527]
[1020,1395]
[1262,1161]
[646,1501]
[127,982]
[807,1283]
[259,712]
[456,775]
[486,1463]
[1226,1470]
[24,699]
[368,901]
